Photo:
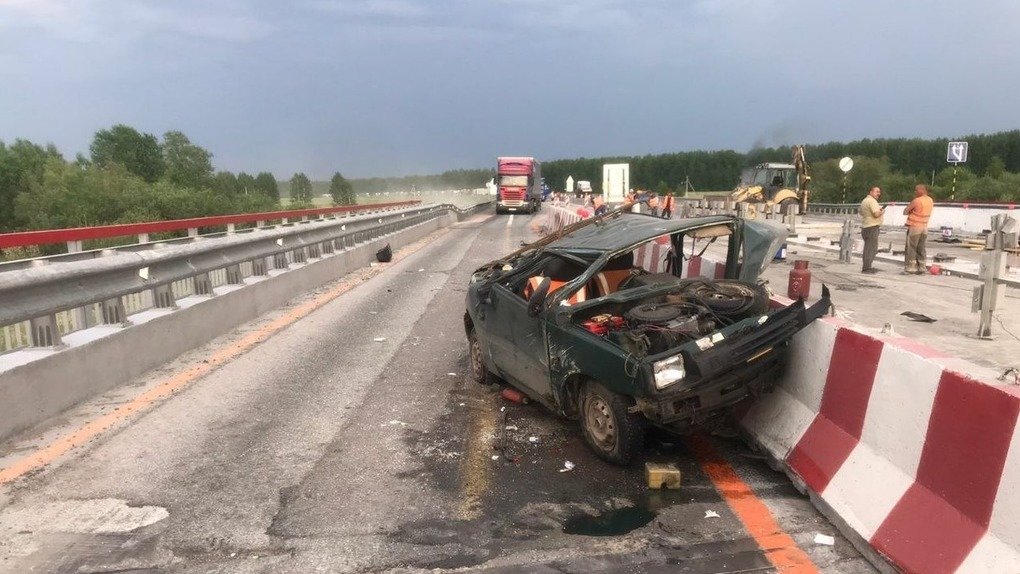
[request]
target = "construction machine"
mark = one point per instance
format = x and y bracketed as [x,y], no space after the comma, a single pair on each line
[780,184]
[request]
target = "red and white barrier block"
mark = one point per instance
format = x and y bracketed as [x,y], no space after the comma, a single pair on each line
[917,452]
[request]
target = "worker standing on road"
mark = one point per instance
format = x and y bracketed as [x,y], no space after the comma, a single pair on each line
[632,198]
[918,213]
[667,206]
[871,221]
[653,204]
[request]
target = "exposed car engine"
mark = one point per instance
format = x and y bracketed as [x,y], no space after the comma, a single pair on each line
[696,308]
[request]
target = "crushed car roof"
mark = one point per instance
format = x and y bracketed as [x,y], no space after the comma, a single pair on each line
[629,229]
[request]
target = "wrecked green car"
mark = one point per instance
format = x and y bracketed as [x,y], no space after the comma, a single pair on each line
[603,324]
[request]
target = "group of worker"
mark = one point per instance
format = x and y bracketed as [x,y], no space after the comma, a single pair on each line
[636,198]
[918,212]
[656,207]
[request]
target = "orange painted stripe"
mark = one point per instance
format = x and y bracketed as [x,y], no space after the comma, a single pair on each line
[48,453]
[779,547]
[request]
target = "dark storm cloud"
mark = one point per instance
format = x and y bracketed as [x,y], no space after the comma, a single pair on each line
[402,86]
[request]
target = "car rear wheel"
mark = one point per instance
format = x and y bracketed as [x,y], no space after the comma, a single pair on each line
[610,430]
[479,373]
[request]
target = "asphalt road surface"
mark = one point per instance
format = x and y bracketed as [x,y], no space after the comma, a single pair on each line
[342,434]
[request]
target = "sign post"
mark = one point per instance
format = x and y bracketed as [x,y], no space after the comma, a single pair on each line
[845,165]
[956,154]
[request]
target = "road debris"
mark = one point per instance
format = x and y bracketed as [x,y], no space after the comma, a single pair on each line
[567,466]
[379,339]
[711,514]
[495,457]
[396,422]
[918,317]
[1011,372]
[452,374]
[533,439]
[825,539]
[662,475]
[514,396]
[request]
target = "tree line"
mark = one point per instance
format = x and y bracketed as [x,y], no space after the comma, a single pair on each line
[992,172]
[129,176]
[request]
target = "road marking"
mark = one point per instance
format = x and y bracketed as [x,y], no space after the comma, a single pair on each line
[779,547]
[510,220]
[50,452]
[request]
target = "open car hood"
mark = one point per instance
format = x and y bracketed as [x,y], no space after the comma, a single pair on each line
[762,240]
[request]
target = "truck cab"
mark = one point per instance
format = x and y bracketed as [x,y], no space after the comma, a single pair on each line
[518,185]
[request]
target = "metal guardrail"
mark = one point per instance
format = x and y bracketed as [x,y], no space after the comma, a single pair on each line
[51,297]
[73,237]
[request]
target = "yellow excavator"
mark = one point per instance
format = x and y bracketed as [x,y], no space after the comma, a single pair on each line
[776,183]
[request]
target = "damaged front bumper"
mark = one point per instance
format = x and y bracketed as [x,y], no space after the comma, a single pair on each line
[724,372]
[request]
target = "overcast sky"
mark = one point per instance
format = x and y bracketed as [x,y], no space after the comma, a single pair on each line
[392,87]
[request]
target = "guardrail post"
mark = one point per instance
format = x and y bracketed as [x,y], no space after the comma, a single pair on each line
[313,251]
[791,217]
[163,297]
[44,331]
[260,223]
[846,241]
[113,312]
[326,247]
[202,283]
[299,255]
[74,246]
[143,238]
[192,232]
[280,261]
[258,267]
[234,274]
[230,228]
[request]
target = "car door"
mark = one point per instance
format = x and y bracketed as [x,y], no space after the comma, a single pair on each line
[531,353]
[496,317]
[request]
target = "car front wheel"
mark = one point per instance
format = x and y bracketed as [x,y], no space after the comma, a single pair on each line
[479,373]
[609,429]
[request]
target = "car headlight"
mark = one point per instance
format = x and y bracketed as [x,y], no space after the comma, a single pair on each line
[668,371]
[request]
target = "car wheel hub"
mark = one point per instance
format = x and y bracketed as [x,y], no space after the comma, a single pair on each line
[600,422]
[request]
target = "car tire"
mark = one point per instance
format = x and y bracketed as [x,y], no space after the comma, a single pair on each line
[612,432]
[479,372]
[729,298]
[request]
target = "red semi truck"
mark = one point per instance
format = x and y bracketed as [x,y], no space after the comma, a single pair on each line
[518,184]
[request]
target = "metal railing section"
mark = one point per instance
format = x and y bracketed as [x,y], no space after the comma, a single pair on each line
[48,298]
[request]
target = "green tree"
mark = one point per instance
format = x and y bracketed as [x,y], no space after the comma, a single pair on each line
[266,184]
[996,167]
[245,184]
[22,166]
[662,188]
[137,152]
[187,165]
[341,190]
[300,188]
[225,183]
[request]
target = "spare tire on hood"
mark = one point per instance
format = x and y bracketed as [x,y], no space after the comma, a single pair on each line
[729,298]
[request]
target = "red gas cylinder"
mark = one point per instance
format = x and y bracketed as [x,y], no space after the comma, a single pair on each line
[800,280]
